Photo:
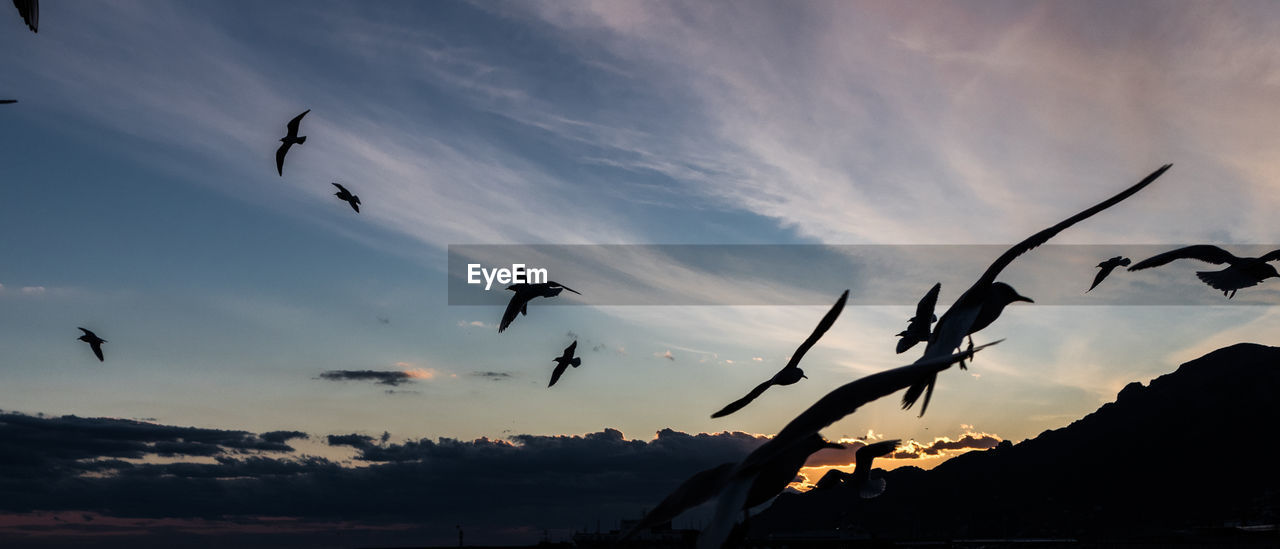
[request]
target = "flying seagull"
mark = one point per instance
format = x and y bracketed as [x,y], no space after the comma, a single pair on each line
[344,194]
[706,484]
[94,341]
[860,478]
[1241,272]
[983,302]
[288,141]
[564,361]
[30,12]
[790,373]
[519,304]
[1107,266]
[918,327]
[833,407]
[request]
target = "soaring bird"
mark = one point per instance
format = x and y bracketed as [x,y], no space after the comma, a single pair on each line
[1241,272]
[94,341]
[30,12]
[833,407]
[983,302]
[860,478]
[790,373]
[564,361]
[519,303]
[919,326]
[288,141]
[706,484]
[1107,266]
[344,194]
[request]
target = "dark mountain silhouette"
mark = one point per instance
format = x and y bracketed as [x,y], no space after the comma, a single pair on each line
[1183,454]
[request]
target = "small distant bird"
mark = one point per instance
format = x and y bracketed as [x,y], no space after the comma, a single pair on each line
[1107,266]
[94,341]
[860,478]
[564,361]
[790,373]
[30,12]
[519,304]
[7,101]
[344,194]
[288,141]
[983,302]
[919,326]
[1241,272]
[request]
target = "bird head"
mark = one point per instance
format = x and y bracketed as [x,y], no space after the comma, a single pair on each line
[1005,294]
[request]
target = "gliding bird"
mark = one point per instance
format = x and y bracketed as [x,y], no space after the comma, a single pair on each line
[564,361]
[1241,272]
[833,407]
[289,140]
[860,478]
[983,302]
[519,304]
[790,373]
[344,194]
[1107,266]
[918,327]
[94,341]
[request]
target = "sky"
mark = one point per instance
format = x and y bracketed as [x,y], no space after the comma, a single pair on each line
[242,308]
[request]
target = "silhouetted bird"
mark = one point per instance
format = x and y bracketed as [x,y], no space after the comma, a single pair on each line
[829,409]
[30,12]
[519,304]
[288,141]
[7,101]
[344,194]
[1241,272]
[919,326]
[1107,266]
[860,479]
[564,361]
[94,341]
[790,373]
[706,484]
[983,302]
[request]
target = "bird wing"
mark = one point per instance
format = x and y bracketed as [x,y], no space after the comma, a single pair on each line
[341,188]
[87,332]
[699,488]
[872,451]
[1272,255]
[823,326]
[97,350]
[924,309]
[1102,273]
[919,327]
[573,347]
[7,101]
[30,12]
[1043,236]
[293,124]
[554,283]
[1203,252]
[284,148]
[738,404]
[847,398]
[555,374]
[514,306]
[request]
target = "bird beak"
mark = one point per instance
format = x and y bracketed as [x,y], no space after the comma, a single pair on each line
[804,376]
[1023,298]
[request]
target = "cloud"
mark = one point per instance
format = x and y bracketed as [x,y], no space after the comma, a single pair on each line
[473,324]
[382,377]
[493,376]
[940,445]
[69,464]
[757,359]
[33,290]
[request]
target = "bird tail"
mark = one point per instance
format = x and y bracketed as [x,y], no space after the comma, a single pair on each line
[872,488]
[577,361]
[925,387]
[301,140]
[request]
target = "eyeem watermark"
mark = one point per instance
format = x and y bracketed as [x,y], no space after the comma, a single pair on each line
[517,274]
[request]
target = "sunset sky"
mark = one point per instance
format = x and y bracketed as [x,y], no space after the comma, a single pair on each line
[141,201]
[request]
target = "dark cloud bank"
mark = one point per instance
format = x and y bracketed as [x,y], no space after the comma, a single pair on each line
[500,491]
